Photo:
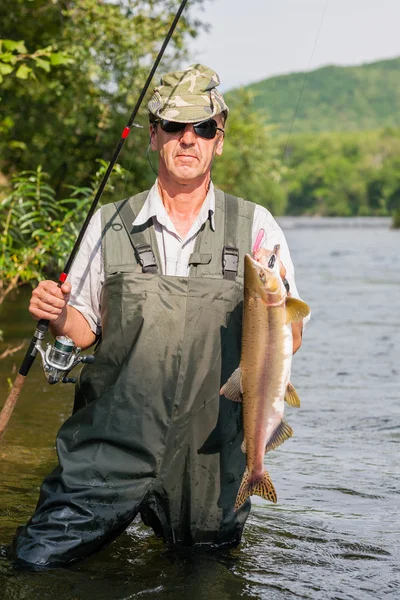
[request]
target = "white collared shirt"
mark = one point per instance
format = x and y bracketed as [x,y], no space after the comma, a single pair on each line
[87,273]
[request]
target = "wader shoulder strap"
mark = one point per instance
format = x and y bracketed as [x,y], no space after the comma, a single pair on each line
[143,250]
[230,253]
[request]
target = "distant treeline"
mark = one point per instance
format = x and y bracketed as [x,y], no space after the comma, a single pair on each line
[342,174]
[333,174]
[332,98]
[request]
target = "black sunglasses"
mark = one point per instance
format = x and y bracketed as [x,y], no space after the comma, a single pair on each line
[205,129]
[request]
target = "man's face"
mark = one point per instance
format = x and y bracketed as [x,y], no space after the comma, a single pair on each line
[186,157]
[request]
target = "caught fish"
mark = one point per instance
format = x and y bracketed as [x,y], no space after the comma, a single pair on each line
[262,379]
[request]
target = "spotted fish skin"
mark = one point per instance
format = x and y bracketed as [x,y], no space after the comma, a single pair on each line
[263,376]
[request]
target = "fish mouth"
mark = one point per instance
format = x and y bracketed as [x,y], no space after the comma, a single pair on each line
[260,278]
[254,264]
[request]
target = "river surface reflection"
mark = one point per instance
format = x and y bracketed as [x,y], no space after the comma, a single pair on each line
[335,531]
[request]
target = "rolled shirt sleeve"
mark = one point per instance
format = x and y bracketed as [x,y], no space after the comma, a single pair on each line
[87,275]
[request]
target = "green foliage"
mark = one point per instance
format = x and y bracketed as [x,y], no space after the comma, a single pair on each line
[90,59]
[70,74]
[334,98]
[14,58]
[337,170]
[338,174]
[39,231]
[249,166]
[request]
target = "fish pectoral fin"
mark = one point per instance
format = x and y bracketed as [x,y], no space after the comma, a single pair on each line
[260,486]
[232,389]
[282,432]
[243,447]
[291,396]
[296,310]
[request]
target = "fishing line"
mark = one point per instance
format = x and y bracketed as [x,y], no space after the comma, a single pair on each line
[302,90]
[306,75]
[149,160]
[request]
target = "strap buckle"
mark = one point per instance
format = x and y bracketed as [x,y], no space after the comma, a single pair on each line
[146,258]
[230,262]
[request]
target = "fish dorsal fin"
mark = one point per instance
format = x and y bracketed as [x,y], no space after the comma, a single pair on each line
[233,389]
[296,310]
[291,396]
[281,433]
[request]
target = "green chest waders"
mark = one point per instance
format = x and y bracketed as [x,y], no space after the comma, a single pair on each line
[150,433]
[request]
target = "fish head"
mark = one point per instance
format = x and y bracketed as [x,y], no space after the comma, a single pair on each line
[262,277]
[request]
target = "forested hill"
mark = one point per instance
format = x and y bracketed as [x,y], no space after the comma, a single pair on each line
[333,99]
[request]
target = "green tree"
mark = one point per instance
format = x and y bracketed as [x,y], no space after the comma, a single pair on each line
[37,230]
[68,117]
[250,165]
[343,174]
[15,59]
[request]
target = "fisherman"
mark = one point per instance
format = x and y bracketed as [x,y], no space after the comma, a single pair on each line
[158,283]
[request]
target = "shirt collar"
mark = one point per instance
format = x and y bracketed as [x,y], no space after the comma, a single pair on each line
[154,207]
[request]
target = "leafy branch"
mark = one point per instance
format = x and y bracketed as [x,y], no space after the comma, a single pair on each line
[39,231]
[15,58]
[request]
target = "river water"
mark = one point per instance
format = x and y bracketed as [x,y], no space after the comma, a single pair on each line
[335,532]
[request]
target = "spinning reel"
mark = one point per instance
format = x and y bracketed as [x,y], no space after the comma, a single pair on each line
[60,358]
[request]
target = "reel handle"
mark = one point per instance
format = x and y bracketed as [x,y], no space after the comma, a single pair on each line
[88,359]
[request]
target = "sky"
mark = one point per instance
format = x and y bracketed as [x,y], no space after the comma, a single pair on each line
[250,40]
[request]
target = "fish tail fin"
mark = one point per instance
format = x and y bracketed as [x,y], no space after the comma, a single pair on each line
[251,486]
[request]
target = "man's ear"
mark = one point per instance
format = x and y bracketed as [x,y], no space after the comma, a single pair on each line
[153,137]
[219,146]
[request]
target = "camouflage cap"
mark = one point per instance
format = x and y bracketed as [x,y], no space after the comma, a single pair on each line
[188,96]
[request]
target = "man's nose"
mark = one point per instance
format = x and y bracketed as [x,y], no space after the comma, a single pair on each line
[188,134]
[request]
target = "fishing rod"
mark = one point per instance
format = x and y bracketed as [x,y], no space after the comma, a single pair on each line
[59,359]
